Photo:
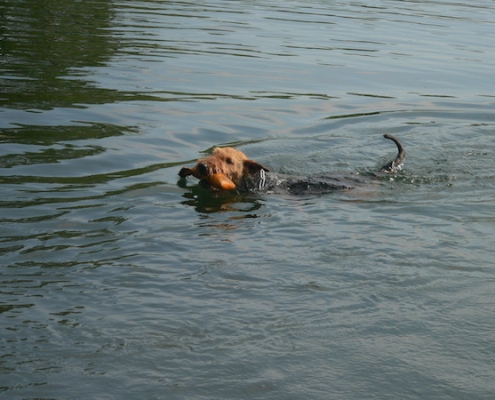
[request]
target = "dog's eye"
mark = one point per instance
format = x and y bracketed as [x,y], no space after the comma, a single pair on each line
[228,160]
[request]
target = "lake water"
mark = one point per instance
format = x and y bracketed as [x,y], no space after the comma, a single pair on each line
[118,283]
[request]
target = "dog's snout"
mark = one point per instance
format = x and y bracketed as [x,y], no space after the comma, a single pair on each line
[203,169]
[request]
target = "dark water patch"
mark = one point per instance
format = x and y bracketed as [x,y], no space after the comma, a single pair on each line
[39,51]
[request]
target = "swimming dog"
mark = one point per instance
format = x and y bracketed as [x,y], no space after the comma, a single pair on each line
[230,169]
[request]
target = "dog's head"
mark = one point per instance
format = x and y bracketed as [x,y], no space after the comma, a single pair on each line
[224,169]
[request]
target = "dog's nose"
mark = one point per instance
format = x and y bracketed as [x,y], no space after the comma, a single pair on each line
[203,169]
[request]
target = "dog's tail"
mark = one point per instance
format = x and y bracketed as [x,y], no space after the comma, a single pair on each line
[395,165]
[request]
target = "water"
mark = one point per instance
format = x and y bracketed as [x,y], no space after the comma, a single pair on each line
[116,282]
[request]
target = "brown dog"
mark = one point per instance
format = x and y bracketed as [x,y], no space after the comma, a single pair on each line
[224,169]
[228,169]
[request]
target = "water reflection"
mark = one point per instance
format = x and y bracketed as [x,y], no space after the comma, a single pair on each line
[44,43]
[37,145]
[208,201]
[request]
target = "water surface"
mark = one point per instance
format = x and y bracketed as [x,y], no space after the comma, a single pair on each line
[117,282]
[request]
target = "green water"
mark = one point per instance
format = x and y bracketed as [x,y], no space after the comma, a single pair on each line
[116,282]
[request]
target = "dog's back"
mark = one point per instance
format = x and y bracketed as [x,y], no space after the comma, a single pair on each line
[270,182]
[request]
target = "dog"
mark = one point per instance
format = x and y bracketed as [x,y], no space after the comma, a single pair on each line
[230,169]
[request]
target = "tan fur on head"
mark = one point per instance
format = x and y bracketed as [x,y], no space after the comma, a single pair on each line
[226,161]
[224,169]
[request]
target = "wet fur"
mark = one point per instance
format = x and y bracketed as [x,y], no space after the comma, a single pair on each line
[238,168]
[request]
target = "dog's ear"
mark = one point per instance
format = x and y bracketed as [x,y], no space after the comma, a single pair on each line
[253,167]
